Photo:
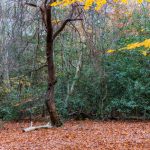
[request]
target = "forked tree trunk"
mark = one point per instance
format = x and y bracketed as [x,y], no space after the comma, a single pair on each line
[50,100]
[46,12]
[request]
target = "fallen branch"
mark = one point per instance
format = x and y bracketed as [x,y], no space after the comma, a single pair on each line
[31,128]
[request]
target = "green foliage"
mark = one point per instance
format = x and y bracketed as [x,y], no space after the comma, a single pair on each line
[128,83]
[8,112]
[114,85]
[128,88]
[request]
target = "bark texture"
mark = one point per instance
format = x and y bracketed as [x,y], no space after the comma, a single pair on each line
[50,101]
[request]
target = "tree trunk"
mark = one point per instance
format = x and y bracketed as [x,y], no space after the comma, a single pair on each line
[50,100]
[6,70]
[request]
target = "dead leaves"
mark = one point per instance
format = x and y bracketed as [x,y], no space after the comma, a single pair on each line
[79,135]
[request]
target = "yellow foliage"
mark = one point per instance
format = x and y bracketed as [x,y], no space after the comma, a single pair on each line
[144,53]
[145,44]
[110,51]
[55,22]
[89,3]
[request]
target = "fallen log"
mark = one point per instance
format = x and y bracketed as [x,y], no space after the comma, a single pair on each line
[31,128]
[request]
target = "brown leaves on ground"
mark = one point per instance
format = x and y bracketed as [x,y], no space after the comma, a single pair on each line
[78,135]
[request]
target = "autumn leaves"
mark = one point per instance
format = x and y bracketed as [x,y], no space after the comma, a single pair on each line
[145,44]
[88,3]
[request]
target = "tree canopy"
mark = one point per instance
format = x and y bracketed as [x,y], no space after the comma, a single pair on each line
[88,3]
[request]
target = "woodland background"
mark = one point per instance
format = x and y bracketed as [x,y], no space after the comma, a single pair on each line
[96,78]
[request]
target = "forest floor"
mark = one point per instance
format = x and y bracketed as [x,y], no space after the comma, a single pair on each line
[78,135]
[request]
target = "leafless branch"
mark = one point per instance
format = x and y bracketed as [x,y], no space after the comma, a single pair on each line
[30,4]
[63,26]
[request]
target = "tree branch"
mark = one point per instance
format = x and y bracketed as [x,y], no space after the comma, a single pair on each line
[31,128]
[69,19]
[63,26]
[30,4]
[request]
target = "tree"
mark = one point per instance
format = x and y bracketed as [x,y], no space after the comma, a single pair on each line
[47,14]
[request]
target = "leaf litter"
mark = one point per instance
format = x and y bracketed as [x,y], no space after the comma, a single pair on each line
[78,135]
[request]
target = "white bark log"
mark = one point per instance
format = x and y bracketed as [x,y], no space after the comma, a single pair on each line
[31,128]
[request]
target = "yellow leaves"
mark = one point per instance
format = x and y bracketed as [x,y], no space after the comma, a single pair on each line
[140,1]
[125,1]
[133,46]
[110,51]
[55,22]
[88,3]
[144,53]
[145,44]
[65,2]
[99,4]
